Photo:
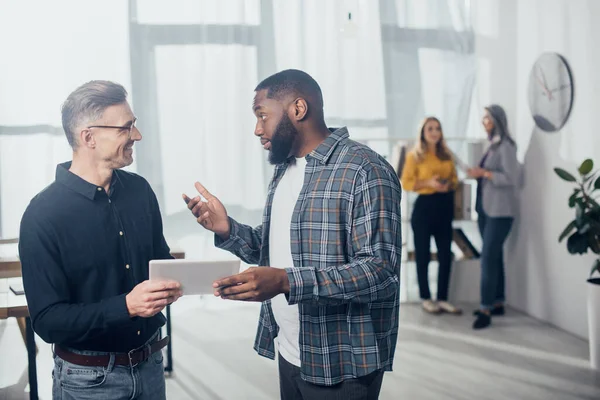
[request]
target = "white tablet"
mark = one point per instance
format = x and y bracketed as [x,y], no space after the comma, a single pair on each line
[196,277]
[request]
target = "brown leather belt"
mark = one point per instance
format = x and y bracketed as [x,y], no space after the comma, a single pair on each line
[132,358]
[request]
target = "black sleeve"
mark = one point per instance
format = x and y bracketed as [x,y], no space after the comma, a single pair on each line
[55,319]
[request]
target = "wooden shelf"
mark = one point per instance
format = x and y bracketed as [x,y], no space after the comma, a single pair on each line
[10,267]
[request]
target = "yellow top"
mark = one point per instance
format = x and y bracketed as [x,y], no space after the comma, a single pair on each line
[431,165]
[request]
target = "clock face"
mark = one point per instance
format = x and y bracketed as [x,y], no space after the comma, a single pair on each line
[550,92]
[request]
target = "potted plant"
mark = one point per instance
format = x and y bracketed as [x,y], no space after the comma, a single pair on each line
[583,234]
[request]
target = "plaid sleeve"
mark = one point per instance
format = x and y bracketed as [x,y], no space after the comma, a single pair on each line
[373,271]
[244,241]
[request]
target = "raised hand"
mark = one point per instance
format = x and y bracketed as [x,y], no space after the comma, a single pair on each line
[211,214]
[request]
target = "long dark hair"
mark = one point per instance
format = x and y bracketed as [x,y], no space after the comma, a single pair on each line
[500,131]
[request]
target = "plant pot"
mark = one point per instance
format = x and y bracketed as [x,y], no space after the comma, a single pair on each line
[594,321]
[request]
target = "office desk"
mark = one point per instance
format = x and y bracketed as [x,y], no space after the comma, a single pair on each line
[10,267]
[12,305]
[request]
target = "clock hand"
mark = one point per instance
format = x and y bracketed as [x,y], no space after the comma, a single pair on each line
[545,83]
[546,91]
[543,76]
[566,85]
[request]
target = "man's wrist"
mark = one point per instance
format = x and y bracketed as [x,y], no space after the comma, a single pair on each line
[225,236]
[285,282]
[129,309]
[227,233]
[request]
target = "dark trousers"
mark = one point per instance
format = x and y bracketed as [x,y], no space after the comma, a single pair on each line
[432,216]
[292,387]
[494,231]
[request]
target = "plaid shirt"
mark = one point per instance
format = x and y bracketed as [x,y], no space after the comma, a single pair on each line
[346,247]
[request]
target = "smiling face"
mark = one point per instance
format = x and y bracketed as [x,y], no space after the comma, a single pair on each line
[111,145]
[432,133]
[488,123]
[274,127]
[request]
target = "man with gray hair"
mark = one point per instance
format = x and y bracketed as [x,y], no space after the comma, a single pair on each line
[85,244]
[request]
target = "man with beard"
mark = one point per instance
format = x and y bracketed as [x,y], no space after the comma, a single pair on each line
[85,244]
[331,235]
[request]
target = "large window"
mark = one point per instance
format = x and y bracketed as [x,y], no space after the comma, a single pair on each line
[191,67]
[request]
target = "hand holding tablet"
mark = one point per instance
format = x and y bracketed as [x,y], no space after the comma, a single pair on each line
[196,277]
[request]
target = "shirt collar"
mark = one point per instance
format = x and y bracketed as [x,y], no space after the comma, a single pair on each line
[324,151]
[80,185]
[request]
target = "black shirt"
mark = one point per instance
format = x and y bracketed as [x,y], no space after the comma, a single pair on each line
[82,250]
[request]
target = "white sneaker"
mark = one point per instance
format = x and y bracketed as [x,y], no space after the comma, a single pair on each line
[449,308]
[431,307]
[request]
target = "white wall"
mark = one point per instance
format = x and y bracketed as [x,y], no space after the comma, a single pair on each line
[542,278]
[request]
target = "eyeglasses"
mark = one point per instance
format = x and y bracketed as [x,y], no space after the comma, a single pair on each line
[127,128]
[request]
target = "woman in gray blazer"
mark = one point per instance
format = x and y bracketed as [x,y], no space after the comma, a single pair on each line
[497,178]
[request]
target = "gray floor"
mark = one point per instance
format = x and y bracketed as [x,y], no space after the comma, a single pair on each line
[437,358]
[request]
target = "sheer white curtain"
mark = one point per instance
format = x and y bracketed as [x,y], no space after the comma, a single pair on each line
[207,61]
[442,61]
[47,50]
[191,67]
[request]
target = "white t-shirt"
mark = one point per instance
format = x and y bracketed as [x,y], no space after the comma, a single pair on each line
[280,255]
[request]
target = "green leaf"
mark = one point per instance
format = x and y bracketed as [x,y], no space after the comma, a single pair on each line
[572,202]
[597,183]
[578,215]
[586,167]
[564,175]
[585,228]
[579,202]
[595,267]
[595,224]
[593,203]
[567,231]
[573,198]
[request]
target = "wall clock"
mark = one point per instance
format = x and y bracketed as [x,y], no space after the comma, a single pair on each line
[550,92]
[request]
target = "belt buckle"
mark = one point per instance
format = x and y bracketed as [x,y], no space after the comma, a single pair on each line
[146,353]
[129,353]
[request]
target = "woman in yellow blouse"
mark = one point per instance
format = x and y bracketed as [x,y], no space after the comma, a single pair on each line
[429,171]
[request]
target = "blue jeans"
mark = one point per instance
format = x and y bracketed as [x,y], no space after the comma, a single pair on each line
[494,231]
[145,381]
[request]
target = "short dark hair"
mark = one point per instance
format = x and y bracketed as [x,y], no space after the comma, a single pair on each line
[292,82]
[87,103]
